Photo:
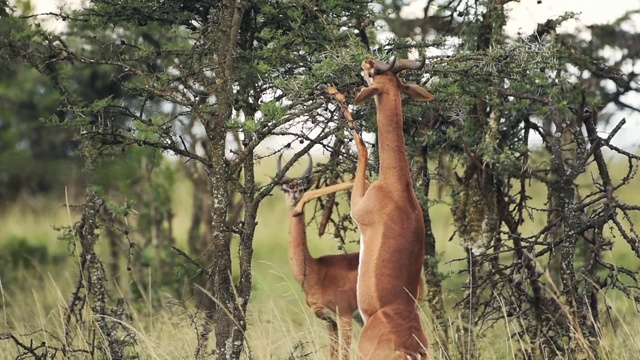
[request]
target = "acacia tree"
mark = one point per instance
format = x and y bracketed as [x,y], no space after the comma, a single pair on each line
[495,96]
[34,158]
[256,68]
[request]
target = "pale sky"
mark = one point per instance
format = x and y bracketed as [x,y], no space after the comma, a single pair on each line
[525,14]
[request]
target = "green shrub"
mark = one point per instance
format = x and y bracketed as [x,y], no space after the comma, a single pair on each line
[17,252]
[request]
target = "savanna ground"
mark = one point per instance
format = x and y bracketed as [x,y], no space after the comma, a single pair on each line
[35,286]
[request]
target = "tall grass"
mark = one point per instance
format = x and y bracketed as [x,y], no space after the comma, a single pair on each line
[280,325]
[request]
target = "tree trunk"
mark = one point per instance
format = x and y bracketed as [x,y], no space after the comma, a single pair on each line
[475,207]
[246,248]
[227,319]
[220,254]
[566,157]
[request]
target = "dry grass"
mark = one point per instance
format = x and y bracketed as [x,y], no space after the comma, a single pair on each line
[280,324]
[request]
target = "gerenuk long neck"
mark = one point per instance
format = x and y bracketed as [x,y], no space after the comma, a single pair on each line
[394,167]
[299,255]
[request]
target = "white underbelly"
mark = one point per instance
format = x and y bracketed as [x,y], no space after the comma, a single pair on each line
[360,255]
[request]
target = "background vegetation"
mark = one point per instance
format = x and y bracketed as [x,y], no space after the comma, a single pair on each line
[135,145]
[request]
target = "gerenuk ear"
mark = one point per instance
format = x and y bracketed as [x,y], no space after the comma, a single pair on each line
[417,92]
[366,93]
